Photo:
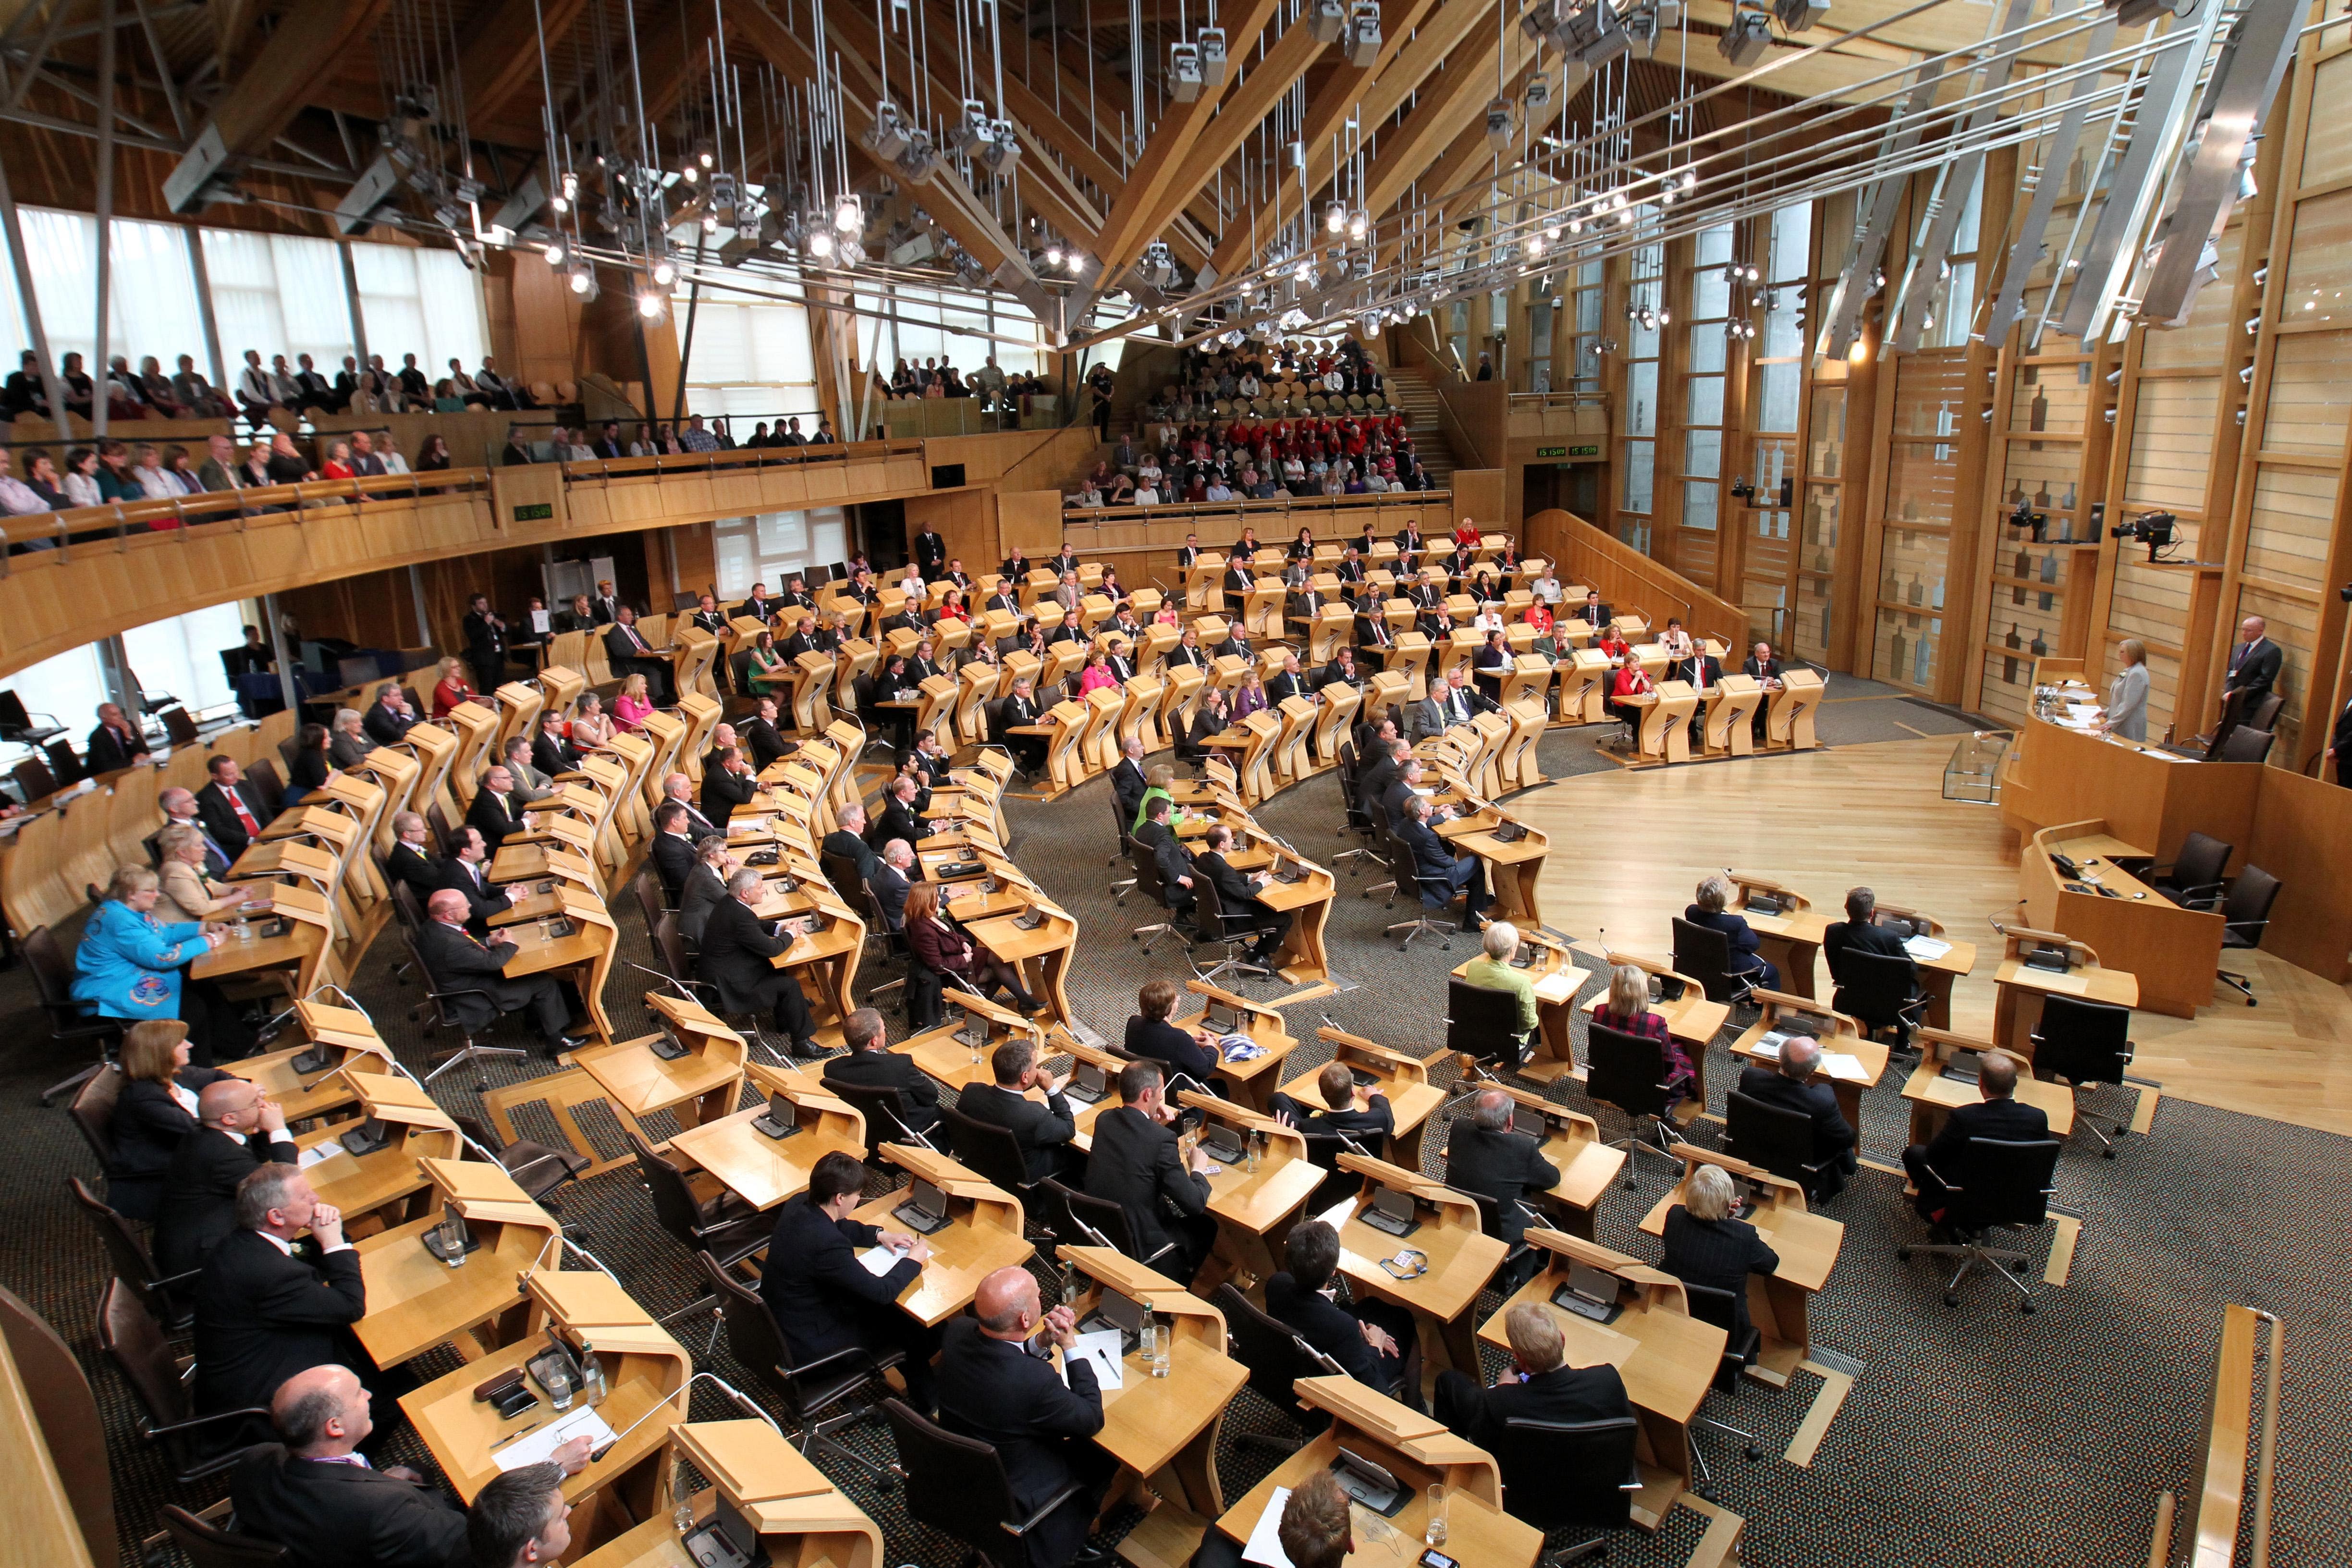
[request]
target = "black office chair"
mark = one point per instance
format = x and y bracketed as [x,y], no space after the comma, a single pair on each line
[1227,932]
[1775,1137]
[1482,1025]
[1119,819]
[92,1111]
[2247,744]
[725,1228]
[1997,1185]
[71,1022]
[538,1169]
[2245,916]
[652,897]
[1356,820]
[1519,1265]
[958,1485]
[2087,1044]
[885,1111]
[1556,1474]
[1337,1185]
[1628,1073]
[1383,846]
[1709,1305]
[810,1389]
[208,1545]
[1705,954]
[992,1153]
[841,870]
[126,1252]
[1882,990]
[1275,1358]
[1102,1223]
[193,1446]
[1437,895]
[2195,878]
[1146,866]
[443,1015]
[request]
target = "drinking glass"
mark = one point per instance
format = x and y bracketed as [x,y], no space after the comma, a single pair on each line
[1432,1529]
[559,1388]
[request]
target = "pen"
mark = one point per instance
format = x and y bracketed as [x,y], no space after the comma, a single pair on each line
[521,1431]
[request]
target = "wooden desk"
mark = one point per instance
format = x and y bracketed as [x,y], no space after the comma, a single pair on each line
[1690,1017]
[1252,1082]
[1302,958]
[644,1367]
[1665,721]
[1041,956]
[1400,1077]
[700,1086]
[416,1302]
[1790,942]
[1462,1258]
[762,1171]
[1512,870]
[2057,775]
[297,955]
[2017,988]
[1418,1451]
[982,1234]
[1729,730]
[802,1517]
[1933,1097]
[1163,1429]
[1556,980]
[1788,717]
[585,955]
[2172,950]
[1667,1358]
[1588,1166]
[350,1045]
[1808,1245]
[378,1185]
[1254,1209]
[1846,1040]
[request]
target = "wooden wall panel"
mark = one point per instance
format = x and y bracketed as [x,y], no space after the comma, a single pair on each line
[2293,521]
[2310,394]
[2204,338]
[2172,444]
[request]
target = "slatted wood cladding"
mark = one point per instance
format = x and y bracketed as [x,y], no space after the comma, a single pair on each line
[1923,488]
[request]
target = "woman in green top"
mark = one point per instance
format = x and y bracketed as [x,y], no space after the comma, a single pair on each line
[1492,972]
[766,666]
[1155,787]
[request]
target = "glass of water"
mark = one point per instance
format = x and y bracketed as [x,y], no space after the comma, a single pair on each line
[1432,1529]
[1163,1348]
[558,1387]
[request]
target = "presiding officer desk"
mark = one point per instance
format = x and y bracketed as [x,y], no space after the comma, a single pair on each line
[800,1518]
[2172,951]
[1808,1245]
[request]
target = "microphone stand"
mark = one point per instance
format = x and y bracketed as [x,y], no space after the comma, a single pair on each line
[742,1400]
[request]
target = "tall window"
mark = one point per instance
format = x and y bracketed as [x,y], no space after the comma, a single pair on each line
[1776,356]
[415,300]
[277,292]
[1641,445]
[181,656]
[926,324]
[1952,306]
[1583,371]
[751,360]
[766,547]
[1702,388]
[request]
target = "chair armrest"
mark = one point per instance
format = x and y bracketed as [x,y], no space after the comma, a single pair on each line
[1039,1516]
[169,1281]
[198,1422]
[822,1362]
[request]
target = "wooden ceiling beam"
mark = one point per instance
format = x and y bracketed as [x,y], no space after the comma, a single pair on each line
[278,80]
[501,56]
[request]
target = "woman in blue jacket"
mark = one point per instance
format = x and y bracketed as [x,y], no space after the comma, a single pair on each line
[130,964]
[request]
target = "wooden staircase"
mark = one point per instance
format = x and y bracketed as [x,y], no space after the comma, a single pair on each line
[1417,400]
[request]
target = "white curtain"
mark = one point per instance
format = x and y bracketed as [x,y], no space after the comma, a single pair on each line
[765,548]
[181,656]
[423,302]
[279,294]
[751,360]
[154,310]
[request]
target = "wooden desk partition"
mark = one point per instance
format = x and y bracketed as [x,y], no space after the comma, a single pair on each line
[415,1301]
[982,1234]
[344,1035]
[2173,951]
[2146,798]
[802,1517]
[1460,1258]
[380,1184]
[1254,1209]
[1789,722]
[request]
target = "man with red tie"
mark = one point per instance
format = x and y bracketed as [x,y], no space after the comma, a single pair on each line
[473,974]
[628,653]
[231,808]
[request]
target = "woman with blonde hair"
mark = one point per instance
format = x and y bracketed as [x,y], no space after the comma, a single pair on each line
[1709,1246]
[185,893]
[636,701]
[154,1109]
[450,688]
[1628,1012]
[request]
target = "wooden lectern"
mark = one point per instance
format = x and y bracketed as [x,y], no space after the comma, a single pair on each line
[1665,721]
[1788,724]
[1728,731]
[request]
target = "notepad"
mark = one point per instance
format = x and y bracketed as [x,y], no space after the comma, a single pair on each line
[1837,1064]
[318,1152]
[1926,949]
[1264,1545]
[879,1260]
[1100,1347]
[533,1448]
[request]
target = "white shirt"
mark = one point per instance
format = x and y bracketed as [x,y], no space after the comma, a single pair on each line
[393,463]
[82,491]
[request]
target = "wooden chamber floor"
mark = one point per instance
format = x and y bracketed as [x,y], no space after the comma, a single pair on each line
[1628,847]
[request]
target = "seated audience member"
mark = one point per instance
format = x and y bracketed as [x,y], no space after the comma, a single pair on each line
[240,1130]
[738,950]
[231,806]
[1711,910]
[1999,1115]
[520,1518]
[1374,1342]
[155,1112]
[1150,1032]
[942,946]
[1433,860]
[1708,1244]
[705,886]
[1788,1085]
[1360,1112]
[131,965]
[991,1388]
[1315,1529]
[475,972]
[1860,932]
[1044,1131]
[1492,970]
[1484,1155]
[823,1300]
[264,1313]
[892,880]
[1137,1163]
[871,1064]
[1628,1011]
[1540,1387]
[313,1493]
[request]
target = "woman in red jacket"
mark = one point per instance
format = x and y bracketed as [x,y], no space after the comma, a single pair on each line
[942,946]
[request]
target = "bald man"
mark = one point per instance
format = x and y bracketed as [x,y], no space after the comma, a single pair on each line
[991,1388]
[475,973]
[179,805]
[239,1128]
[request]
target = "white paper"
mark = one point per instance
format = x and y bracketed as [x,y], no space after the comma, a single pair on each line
[879,1260]
[1768,1046]
[540,621]
[1264,1544]
[1926,948]
[318,1152]
[533,1448]
[1837,1064]
[1100,1346]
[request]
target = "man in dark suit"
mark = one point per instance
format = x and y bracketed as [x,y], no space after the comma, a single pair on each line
[708,618]
[757,604]
[238,1129]
[871,1064]
[930,551]
[1340,671]
[1189,552]
[1382,759]
[892,880]
[314,1495]
[1593,612]
[486,643]
[1374,1342]
[2253,668]
[705,888]
[1788,1085]
[1373,638]
[455,960]
[823,1300]
[678,789]
[389,717]
[264,1313]
[1999,1115]
[1015,569]
[673,848]
[727,786]
[1237,895]
[1126,782]
[627,653]
[232,809]
[1353,1110]
[1433,858]
[737,951]
[466,873]
[1287,682]
[1483,1155]
[1409,548]
[113,745]
[1135,1164]
[767,743]
[1018,708]
[1044,1131]
[1541,1387]
[990,1387]
[899,818]
[1765,670]
[848,839]
[1859,933]
[497,812]
[1168,854]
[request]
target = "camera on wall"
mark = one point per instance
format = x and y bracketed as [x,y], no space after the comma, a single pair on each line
[2153,529]
[2023,515]
[2345,593]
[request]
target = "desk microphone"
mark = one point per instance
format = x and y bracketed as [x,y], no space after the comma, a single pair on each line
[742,1401]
